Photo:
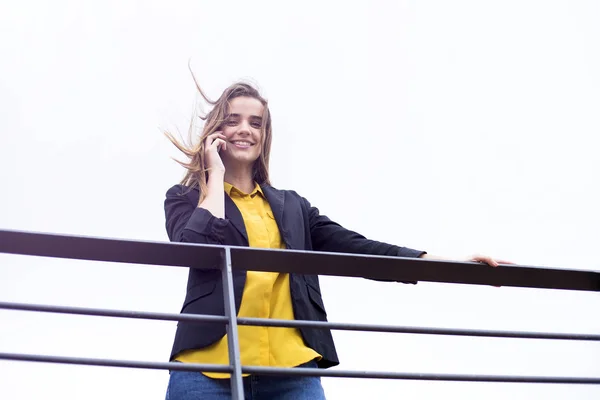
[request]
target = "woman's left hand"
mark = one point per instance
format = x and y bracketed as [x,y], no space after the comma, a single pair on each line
[477,258]
[488,260]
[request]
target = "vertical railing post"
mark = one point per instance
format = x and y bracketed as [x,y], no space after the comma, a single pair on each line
[237,385]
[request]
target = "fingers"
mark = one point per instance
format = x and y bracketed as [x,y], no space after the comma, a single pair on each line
[212,145]
[215,140]
[489,261]
[219,144]
[494,262]
[485,259]
[213,136]
[215,145]
[505,262]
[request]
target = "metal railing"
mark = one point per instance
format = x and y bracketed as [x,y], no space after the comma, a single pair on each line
[290,261]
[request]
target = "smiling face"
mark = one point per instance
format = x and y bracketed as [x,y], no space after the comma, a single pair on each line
[242,129]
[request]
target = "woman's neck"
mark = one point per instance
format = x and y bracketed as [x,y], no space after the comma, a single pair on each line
[241,178]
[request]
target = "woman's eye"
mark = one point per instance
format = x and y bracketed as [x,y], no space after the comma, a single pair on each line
[256,124]
[231,123]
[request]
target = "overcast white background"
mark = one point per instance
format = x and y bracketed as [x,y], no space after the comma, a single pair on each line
[454,127]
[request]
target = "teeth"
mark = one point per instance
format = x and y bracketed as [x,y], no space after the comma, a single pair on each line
[242,143]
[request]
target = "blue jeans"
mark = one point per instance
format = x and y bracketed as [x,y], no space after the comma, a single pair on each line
[185,385]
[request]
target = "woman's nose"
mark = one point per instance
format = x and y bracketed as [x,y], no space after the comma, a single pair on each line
[244,127]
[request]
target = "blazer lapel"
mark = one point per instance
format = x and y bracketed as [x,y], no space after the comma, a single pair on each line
[276,200]
[233,214]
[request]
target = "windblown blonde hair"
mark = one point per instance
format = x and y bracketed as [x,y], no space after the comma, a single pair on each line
[197,173]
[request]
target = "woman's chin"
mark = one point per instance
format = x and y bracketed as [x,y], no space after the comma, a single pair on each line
[239,160]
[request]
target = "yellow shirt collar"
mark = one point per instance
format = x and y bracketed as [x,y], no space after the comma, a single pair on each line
[229,188]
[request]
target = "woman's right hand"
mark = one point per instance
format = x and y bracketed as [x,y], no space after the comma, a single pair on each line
[212,145]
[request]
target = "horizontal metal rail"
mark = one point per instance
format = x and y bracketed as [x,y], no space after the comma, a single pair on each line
[176,366]
[294,261]
[295,323]
[230,258]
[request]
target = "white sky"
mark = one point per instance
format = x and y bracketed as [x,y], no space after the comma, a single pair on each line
[477,121]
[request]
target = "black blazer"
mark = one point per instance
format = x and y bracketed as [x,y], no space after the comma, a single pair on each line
[301,228]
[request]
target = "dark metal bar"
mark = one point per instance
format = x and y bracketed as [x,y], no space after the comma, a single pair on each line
[418,330]
[233,344]
[297,323]
[101,362]
[175,366]
[413,269]
[335,373]
[294,261]
[101,312]
[105,249]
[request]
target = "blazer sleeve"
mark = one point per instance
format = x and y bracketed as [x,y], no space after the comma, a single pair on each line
[186,222]
[327,235]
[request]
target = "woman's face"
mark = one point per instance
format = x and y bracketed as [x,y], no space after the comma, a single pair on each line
[242,131]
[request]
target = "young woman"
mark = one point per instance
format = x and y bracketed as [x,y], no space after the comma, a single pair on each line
[226,198]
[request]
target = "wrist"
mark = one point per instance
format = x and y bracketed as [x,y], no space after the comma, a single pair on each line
[216,176]
[433,257]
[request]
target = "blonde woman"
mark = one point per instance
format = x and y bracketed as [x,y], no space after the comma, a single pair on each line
[226,198]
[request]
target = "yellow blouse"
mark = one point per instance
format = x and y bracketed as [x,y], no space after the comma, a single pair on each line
[266,295]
